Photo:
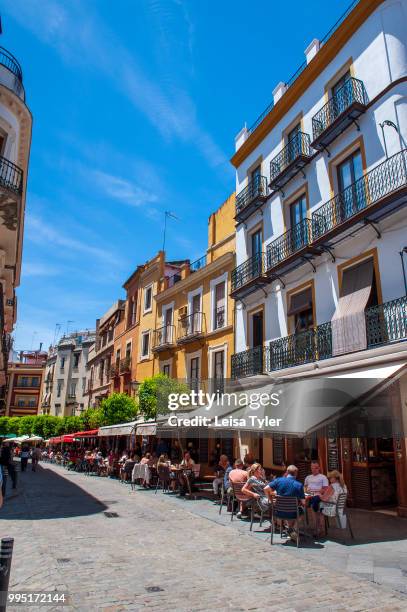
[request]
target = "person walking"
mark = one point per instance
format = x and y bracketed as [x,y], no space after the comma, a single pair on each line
[6,461]
[24,456]
[35,457]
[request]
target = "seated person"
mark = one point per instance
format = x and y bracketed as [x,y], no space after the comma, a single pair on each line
[237,475]
[287,486]
[146,459]
[330,496]
[315,484]
[187,461]
[220,470]
[187,464]
[248,460]
[255,485]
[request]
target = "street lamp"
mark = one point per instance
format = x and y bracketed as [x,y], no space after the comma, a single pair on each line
[388,123]
[404,250]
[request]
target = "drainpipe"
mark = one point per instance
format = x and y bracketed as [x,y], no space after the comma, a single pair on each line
[404,269]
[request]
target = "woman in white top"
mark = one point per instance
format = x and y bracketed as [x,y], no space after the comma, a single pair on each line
[331,494]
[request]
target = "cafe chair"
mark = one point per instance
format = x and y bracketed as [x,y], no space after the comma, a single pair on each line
[163,478]
[224,495]
[279,508]
[341,515]
[256,508]
[238,497]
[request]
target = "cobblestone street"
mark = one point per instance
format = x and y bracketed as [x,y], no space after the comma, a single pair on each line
[159,554]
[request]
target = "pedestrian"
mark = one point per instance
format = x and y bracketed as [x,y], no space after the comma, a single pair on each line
[35,457]
[24,456]
[6,460]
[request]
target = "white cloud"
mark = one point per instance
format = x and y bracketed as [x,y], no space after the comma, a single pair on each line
[81,38]
[31,269]
[121,189]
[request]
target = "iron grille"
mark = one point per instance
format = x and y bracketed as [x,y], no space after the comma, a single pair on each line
[353,90]
[174,278]
[191,325]
[11,176]
[299,146]
[304,347]
[387,322]
[163,336]
[383,180]
[251,269]
[219,317]
[288,243]
[125,365]
[8,60]
[248,363]
[198,264]
[256,188]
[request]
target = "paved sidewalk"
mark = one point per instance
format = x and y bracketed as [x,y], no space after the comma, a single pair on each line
[157,554]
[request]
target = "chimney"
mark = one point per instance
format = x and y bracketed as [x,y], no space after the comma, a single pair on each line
[241,138]
[279,91]
[312,49]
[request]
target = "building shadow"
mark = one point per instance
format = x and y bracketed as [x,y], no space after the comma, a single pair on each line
[46,494]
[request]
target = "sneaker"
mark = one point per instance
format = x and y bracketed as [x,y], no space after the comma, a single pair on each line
[239,515]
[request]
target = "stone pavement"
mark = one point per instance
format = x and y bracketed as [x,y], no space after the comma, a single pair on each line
[158,552]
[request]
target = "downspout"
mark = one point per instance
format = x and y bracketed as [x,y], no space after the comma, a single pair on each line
[404,269]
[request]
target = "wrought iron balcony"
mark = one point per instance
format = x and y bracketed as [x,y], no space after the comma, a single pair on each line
[8,60]
[198,264]
[251,198]
[250,275]
[11,176]
[385,324]
[12,77]
[295,155]
[369,198]
[163,338]
[173,279]
[288,244]
[114,370]
[338,113]
[191,327]
[219,318]
[248,363]
[125,365]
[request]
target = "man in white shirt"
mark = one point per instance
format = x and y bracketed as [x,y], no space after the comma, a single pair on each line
[315,484]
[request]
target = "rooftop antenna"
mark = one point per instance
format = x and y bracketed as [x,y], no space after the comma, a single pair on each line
[167,214]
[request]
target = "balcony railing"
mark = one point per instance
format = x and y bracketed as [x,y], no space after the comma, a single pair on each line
[114,370]
[219,317]
[8,60]
[174,278]
[163,337]
[11,176]
[352,93]
[248,271]
[191,326]
[198,264]
[289,243]
[256,190]
[125,365]
[385,324]
[290,160]
[382,181]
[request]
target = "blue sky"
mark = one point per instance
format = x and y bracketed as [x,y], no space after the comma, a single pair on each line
[136,104]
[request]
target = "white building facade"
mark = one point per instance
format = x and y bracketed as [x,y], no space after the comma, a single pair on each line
[64,382]
[321,221]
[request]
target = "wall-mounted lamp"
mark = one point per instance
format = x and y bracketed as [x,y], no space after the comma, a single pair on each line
[387,123]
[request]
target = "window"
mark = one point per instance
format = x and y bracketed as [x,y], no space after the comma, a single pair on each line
[101,371]
[148,298]
[219,371]
[60,386]
[194,374]
[256,177]
[117,357]
[131,312]
[352,189]
[145,344]
[32,402]
[72,388]
[196,323]
[167,335]
[62,363]
[35,381]
[166,369]
[256,243]
[128,350]
[84,384]
[294,142]
[299,229]
[219,306]
[24,381]
[76,359]
[301,311]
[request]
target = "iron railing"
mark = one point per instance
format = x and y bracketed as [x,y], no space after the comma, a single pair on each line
[376,184]
[198,264]
[174,278]
[304,64]
[219,317]
[353,90]
[299,146]
[289,243]
[11,176]
[191,325]
[114,370]
[385,323]
[248,363]
[8,60]
[163,336]
[256,188]
[249,270]
[125,365]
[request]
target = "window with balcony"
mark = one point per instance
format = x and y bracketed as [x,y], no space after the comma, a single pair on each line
[60,386]
[166,369]
[194,373]
[148,299]
[353,196]
[219,371]
[293,137]
[76,360]
[131,312]
[300,310]
[219,312]
[72,388]
[62,364]
[128,350]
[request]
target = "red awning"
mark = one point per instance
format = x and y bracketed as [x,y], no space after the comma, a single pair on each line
[56,440]
[86,434]
[68,438]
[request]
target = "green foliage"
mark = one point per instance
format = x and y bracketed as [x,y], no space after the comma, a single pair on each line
[154,392]
[118,408]
[25,425]
[4,426]
[91,419]
[14,425]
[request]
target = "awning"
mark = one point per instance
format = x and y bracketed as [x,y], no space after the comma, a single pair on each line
[121,429]
[56,440]
[69,438]
[86,434]
[348,323]
[146,429]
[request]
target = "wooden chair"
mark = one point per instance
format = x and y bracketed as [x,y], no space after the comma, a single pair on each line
[281,506]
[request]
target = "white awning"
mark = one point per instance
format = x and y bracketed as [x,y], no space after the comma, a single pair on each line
[121,429]
[146,429]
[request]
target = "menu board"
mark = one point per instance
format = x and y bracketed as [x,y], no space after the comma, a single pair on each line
[333,448]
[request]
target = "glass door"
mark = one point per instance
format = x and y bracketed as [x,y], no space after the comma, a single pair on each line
[256,246]
[299,228]
[351,188]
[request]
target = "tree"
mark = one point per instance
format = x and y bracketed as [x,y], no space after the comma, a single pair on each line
[91,419]
[26,425]
[4,425]
[45,425]
[154,392]
[14,425]
[118,408]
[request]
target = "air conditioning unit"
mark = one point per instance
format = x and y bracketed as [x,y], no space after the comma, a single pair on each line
[183,312]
